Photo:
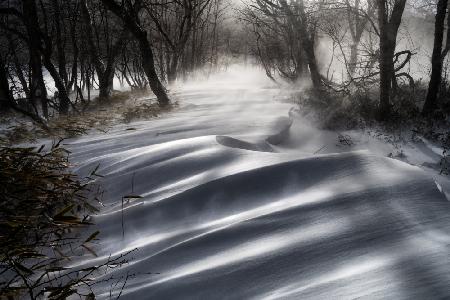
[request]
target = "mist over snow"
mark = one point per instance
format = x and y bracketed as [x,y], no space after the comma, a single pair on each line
[224,149]
[243,198]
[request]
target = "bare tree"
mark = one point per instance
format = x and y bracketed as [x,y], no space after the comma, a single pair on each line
[105,71]
[174,21]
[357,18]
[389,20]
[6,97]
[128,13]
[274,18]
[437,57]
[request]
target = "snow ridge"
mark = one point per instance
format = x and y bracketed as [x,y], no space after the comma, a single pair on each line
[234,207]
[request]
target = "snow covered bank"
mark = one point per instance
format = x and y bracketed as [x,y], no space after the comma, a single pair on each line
[239,203]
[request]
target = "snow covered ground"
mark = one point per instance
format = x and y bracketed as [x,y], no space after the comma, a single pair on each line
[244,199]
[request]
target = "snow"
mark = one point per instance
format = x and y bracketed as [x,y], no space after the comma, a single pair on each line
[245,199]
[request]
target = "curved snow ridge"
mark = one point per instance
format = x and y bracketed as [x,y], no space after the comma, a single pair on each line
[286,225]
[227,197]
[295,174]
[238,204]
[187,157]
[281,126]
[227,141]
[278,131]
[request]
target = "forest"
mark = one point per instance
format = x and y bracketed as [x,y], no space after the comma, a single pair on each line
[224,149]
[55,52]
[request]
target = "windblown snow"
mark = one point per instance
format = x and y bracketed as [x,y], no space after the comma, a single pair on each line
[244,199]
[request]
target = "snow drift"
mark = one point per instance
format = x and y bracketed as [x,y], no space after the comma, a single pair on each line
[236,205]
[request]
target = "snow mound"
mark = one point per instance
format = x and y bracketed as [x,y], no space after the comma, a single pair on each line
[217,221]
[240,144]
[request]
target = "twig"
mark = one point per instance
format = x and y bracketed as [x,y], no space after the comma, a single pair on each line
[320,149]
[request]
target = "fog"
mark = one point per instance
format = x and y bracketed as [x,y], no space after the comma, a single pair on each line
[224,149]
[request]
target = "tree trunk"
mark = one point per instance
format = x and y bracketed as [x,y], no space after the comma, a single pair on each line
[105,73]
[388,28]
[18,67]
[64,100]
[172,70]
[37,86]
[147,57]
[312,65]
[149,68]
[106,84]
[103,83]
[7,101]
[384,61]
[386,75]
[436,59]
[300,21]
[357,25]
[5,92]
[353,58]
[45,50]
[74,76]
[59,43]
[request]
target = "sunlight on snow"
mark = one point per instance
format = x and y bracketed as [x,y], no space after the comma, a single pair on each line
[255,248]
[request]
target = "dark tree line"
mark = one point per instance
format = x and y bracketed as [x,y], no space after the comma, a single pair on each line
[364,37]
[440,51]
[80,45]
[285,38]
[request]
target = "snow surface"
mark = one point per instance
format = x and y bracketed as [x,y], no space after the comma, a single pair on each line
[245,199]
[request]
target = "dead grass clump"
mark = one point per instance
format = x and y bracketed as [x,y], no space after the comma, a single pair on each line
[335,110]
[97,115]
[358,109]
[41,203]
[144,111]
[72,126]
[18,133]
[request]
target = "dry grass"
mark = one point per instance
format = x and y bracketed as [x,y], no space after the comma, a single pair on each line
[122,107]
[41,202]
[43,205]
